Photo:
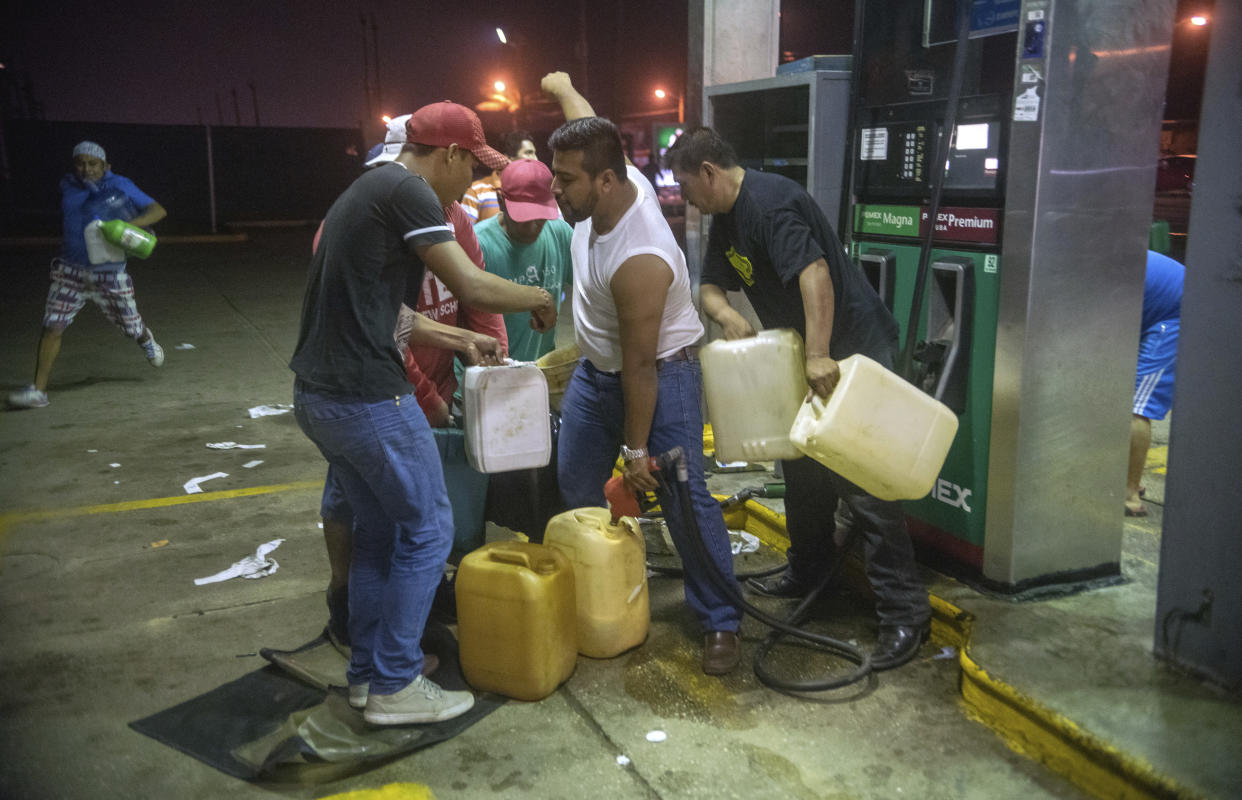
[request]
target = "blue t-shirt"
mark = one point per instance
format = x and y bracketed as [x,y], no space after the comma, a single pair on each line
[112,197]
[1162,293]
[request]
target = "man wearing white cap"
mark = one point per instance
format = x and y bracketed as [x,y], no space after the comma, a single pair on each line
[526,243]
[351,397]
[91,192]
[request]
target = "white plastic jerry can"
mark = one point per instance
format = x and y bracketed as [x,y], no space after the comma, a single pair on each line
[877,431]
[754,388]
[506,417]
[98,249]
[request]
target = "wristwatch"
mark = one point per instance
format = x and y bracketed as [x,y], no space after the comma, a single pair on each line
[629,454]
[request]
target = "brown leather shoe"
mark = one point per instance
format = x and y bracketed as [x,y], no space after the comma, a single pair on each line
[721,652]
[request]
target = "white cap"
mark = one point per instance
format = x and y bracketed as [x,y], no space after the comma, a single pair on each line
[393,140]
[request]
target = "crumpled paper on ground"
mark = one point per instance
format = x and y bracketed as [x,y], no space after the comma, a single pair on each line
[743,542]
[270,411]
[234,446]
[255,566]
[192,486]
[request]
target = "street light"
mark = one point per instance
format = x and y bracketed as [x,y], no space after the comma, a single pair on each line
[500,34]
[499,86]
[681,103]
[1198,20]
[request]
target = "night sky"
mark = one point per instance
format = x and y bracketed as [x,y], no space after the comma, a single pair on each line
[176,62]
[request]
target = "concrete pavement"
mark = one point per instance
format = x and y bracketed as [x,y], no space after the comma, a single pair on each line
[103,625]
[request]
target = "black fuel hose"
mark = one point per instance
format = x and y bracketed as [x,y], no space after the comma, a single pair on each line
[905,358]
[675,494]
[730,501]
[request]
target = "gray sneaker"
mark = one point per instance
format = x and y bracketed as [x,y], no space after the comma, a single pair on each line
[30,397]
[358,692]
[155,353]
[421,701]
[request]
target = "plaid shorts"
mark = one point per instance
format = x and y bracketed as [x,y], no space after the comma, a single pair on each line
[72,285]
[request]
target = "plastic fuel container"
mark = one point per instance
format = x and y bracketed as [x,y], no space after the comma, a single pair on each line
[506,417]
[754,389]
[467,489]
[877,431]
[610,578]
[130,238]
[516,619]
[98,249]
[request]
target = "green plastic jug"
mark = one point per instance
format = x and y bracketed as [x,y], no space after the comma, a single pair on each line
[130,238]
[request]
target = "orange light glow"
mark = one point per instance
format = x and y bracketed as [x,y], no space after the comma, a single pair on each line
[1198,20]
[387,119]
[499,86]
[660,93]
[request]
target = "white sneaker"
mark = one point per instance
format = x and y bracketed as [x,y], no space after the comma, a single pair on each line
[30,397]
[421,701]
[155,353]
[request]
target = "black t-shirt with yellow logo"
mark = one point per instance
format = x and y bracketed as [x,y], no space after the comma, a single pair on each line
[774,231]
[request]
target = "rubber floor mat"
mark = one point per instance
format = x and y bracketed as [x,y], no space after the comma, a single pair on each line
[281,725]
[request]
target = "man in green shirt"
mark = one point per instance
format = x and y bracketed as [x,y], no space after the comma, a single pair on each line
[528,244]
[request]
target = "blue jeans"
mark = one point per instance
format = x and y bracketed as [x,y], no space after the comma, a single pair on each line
[592,430]
[384,456]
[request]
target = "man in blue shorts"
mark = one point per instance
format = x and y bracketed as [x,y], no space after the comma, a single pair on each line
[92,191]
[1157,358]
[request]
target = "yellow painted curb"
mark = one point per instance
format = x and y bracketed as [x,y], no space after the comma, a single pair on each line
[1034,730]
[1027,726]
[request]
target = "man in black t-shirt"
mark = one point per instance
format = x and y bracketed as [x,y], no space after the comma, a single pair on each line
[351,397]
[769,239]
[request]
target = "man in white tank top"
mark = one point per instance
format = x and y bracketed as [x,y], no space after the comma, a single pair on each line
[638,385]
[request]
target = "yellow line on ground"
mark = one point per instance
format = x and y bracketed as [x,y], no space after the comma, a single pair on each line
[8,520]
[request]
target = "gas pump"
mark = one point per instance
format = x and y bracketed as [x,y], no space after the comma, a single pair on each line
[901,103]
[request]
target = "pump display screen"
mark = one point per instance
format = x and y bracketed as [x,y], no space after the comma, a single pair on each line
[894,159]
[974,161]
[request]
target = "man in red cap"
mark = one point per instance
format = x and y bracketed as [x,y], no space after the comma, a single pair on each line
[351,397]
[527,243]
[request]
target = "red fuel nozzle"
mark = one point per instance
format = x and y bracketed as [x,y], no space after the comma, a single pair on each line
[622,501]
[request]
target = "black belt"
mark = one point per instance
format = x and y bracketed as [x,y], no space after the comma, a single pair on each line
[684,354]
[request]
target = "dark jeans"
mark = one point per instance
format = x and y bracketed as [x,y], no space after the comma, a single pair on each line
[811,494]
[592,428]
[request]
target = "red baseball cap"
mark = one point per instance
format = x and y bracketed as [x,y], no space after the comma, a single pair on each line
[526,185]
[445,123]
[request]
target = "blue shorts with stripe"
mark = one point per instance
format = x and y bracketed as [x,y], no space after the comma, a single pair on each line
[1157,358]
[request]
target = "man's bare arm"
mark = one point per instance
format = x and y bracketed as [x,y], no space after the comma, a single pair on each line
[483,290]
[573,104]
[639,290]
[818,303]
[716,304]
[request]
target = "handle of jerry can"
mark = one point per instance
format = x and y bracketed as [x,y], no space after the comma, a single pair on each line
[516,557]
